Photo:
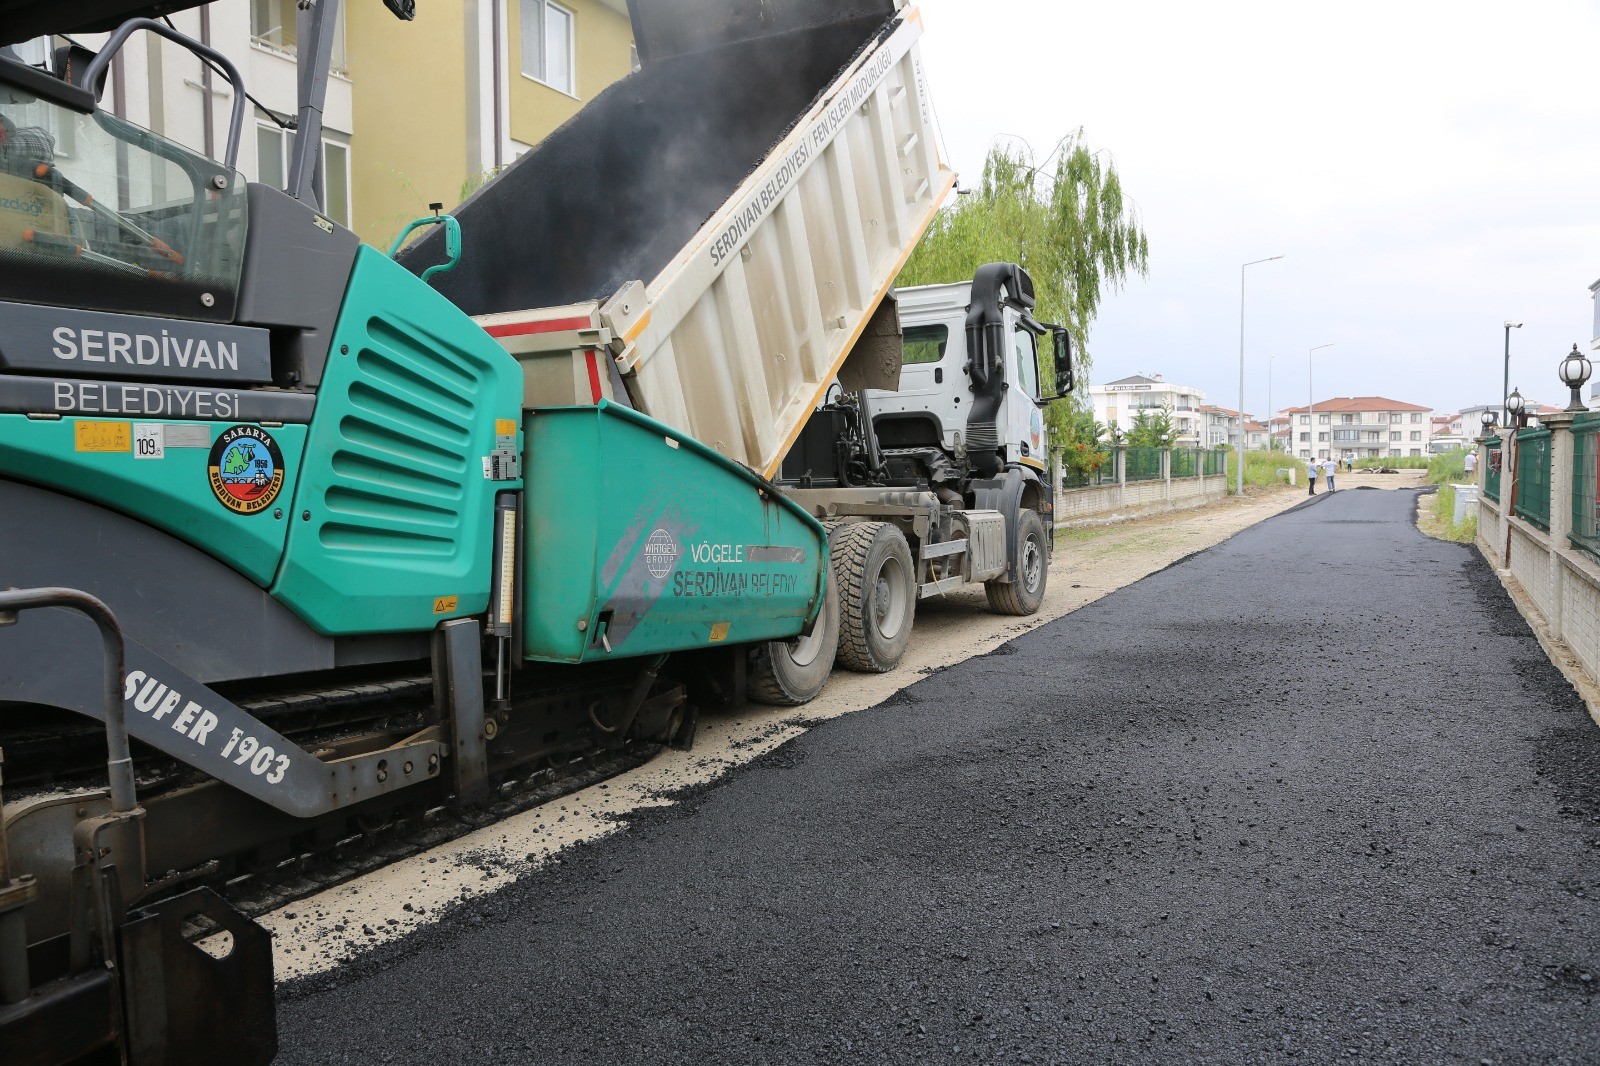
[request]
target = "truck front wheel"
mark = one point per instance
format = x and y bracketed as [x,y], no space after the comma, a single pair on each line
[877,595]
[787,673]
[1025,591]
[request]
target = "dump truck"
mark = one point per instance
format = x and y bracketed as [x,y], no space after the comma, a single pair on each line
[312,548]
[727,268]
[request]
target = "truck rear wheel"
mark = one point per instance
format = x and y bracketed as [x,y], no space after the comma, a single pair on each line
[1025,591]
[877,595]
[787,673]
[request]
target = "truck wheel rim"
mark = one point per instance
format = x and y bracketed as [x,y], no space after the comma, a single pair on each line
[889,599]
[1032,564]
[803,651]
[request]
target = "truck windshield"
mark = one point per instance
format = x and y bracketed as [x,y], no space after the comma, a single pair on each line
[97,212]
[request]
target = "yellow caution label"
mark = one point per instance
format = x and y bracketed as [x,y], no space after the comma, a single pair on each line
[102,436]
[505,427]
[444,604]
[719,631]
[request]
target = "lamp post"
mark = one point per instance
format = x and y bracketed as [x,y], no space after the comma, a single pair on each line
[1238,481]
[1514,408]
[1505,378]
[1311,403]
[1575,370]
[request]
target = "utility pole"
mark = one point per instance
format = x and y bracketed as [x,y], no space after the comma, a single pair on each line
[1238,481]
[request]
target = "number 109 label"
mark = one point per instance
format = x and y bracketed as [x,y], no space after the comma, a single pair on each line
[149,441]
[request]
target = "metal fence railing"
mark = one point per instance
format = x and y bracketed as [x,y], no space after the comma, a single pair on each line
[1585,532]
[1533,477]
[1215,462]
[1185,462]
[1491,471]
[1144,464]
[1104,474]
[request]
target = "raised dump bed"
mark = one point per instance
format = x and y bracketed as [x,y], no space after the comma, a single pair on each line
[707,239]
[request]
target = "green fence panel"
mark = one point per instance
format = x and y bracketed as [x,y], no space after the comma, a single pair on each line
[1144,464]
[1216,462]
[1185,462]
[1533,477]
[1104,474]
[1491,471]
[1585,483]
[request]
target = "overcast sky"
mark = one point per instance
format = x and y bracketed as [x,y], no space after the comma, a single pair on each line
[1428,170]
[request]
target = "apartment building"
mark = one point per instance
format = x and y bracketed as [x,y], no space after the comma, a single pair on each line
[1255,436]
[1220,425]
[1117,403]
[416,112]
[1361,427]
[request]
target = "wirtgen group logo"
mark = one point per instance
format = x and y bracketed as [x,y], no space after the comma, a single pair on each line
[661,553]
[246,469]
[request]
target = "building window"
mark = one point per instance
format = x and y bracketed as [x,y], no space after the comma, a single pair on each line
[1347,419]
[273,23]
[547,54]
[1305,438]
[1324,419]
[1416,451]
[1416,434]
[1394,435]
[1415,417]
[1322,437]
[273,145]
[1305,420]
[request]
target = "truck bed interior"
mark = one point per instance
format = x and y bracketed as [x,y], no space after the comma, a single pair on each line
[615,194]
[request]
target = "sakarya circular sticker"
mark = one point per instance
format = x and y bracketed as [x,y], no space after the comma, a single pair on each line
[246,469]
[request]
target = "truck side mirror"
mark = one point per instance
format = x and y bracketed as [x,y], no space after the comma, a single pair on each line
[1063,345]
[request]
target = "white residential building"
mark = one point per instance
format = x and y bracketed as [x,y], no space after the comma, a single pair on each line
[1362,427]
[1219,425]
[1117,403]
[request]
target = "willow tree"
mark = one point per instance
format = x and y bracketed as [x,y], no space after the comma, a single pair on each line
[1072,230]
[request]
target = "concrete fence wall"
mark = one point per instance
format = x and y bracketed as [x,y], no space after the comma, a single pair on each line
[1561,580]
[1124,497]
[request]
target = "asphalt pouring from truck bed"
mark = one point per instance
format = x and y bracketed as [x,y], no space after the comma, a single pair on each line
[1315,793]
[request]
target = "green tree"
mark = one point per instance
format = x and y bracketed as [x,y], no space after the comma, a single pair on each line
[1152,428]
[1071,229]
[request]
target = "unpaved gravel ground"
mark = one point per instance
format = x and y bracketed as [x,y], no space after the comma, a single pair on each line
[1223,815]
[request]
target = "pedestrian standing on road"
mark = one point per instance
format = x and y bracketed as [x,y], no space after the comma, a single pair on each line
[1311,475]
[1472,466]
[1328,468]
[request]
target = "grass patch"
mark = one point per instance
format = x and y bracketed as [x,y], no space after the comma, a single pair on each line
[1443,526]
[1261,469]
[1394,462]
[1448,466]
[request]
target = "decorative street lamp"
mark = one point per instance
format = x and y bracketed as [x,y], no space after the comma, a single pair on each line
[1575,371]
[1488,420]
[1515,406]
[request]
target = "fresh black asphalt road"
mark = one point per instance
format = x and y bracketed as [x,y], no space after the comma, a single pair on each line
[1313,794]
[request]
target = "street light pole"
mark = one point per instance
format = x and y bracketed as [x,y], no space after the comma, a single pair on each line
[1505,380]
[1270,442]
[1238,481]
[1311,403]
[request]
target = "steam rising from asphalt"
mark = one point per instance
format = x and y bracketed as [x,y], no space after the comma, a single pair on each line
[616,193]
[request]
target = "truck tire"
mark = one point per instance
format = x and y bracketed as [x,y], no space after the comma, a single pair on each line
[877,595]
[1025,591]
[787,673]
